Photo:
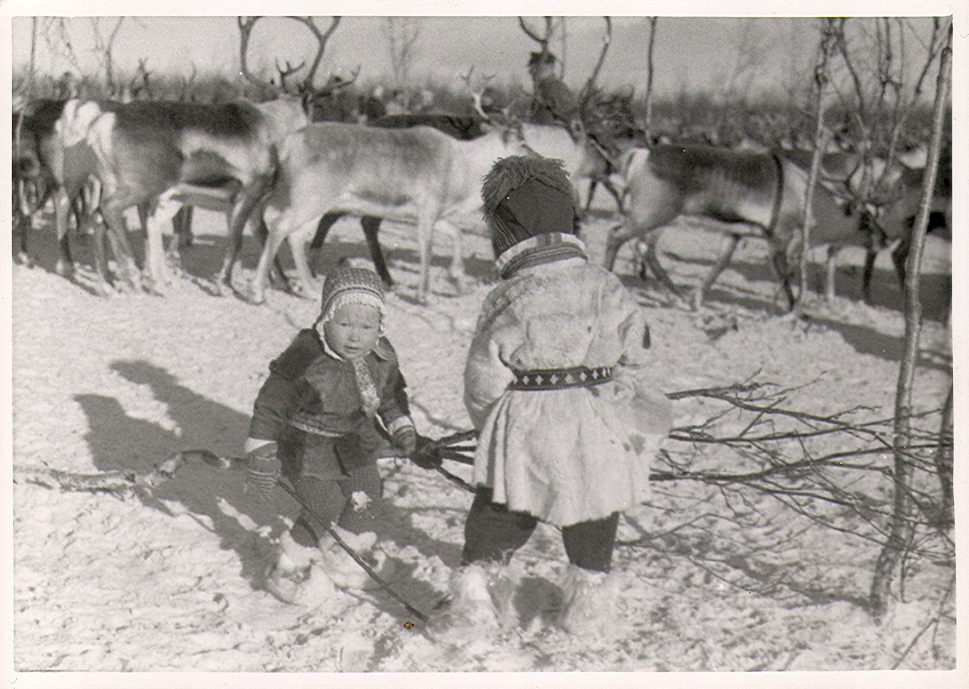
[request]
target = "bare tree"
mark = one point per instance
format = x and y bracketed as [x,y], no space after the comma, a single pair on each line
[402,34]
[751,49]
[826,47]
[647,124]
[902,527]
[104,48]
[590,85]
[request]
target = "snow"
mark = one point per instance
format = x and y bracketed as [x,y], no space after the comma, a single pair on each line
[167,580]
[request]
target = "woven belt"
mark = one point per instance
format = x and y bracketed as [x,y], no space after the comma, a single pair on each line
[307,427]
[560,378]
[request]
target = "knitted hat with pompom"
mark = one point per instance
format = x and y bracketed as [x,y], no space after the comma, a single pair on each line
[525,196]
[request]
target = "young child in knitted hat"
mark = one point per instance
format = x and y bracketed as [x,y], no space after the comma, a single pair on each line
[556,384]
[316,420]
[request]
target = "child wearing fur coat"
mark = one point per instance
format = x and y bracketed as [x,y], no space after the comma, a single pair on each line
[555,382]
[315,420]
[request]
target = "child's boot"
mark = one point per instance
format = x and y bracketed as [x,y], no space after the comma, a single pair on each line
[346,572]
[590,605]
[292,576]
[471,607]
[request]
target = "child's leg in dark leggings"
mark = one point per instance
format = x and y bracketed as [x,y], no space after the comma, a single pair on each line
[589,544]
[363,491]
[326,499]
[492,533]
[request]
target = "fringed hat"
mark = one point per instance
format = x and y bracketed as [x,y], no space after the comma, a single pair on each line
[527,196]
[347,285]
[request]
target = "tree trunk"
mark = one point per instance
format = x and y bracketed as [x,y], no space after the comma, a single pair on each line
[647,125]
[825,50]
[902,527]
[943,464]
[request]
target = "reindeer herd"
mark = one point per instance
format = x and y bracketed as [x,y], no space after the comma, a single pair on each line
[267,164]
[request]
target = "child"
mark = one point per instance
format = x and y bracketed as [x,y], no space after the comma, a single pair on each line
[315,421]
[555,383]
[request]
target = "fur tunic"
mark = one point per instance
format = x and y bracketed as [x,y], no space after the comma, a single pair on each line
[575,454]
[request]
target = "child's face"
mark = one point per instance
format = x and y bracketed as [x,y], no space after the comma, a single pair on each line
[353,331]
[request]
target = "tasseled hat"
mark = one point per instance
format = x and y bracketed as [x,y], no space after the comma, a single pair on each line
[526,196]
[347,285]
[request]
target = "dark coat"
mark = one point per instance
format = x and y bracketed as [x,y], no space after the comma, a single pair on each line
[318,393]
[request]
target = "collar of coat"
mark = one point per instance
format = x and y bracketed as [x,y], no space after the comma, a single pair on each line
[381,349]
[542,248]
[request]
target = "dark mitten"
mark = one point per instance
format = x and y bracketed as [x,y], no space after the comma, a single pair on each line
[426,455]
[405,440]
[262,471]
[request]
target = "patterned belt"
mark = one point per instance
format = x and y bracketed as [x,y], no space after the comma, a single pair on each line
[309,427]
[560,378]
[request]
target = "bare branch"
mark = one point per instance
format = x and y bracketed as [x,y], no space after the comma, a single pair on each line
[589,87]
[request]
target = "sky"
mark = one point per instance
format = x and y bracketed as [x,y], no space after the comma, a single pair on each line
[707,53]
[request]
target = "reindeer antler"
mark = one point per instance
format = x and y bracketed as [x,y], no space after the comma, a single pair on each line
[477,95]
[322,37]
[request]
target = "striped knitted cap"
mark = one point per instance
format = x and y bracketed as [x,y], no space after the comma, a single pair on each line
[526,196]
[347,285]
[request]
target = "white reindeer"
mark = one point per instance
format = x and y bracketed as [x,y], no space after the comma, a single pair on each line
[417,176]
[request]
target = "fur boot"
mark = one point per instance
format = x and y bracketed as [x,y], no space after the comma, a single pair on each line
[590,605]
[483,598]
[294,575]
[345,572]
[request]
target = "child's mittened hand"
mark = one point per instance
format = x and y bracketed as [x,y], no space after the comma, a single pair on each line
[425,457]
[405,440]
[262,471]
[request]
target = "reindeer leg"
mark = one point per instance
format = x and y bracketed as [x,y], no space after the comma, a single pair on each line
[65,262]
[304,278]
[650,260]
[425,239]
[610,187]
[456,271]
[182,229]
[696,300]
[588,200]
[782,268]
[280,226]
[117,231]
[247,204]
[155,257]
[371,228]
[900,258]
[830,272]
[616,236]
[322,229]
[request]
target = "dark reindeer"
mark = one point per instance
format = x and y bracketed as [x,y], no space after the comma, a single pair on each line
[737,188]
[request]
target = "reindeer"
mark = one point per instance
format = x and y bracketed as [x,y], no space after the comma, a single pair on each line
[418,176]
[888,211]
[65,162]
[549,141]
[170,153]
[738,188]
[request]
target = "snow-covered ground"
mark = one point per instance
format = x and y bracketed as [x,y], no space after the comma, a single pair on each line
[166,580]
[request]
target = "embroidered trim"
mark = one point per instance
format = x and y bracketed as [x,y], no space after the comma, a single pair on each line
[543,248]
[398,423]
[560,378]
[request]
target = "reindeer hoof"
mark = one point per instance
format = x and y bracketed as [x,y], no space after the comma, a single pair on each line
[256,297]
[155,288]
